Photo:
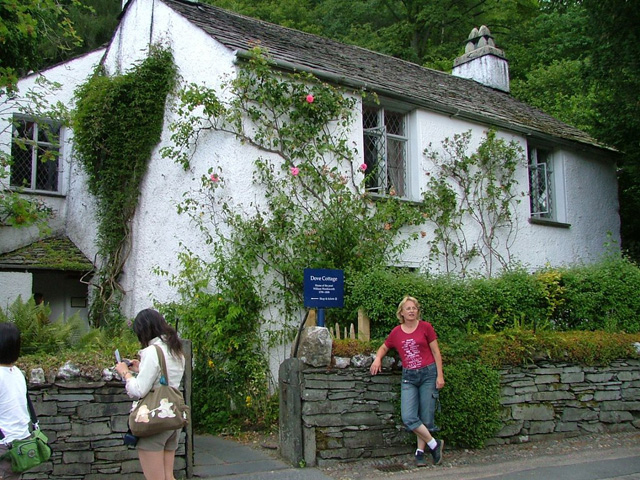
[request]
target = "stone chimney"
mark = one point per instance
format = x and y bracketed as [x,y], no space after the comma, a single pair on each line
[482,61]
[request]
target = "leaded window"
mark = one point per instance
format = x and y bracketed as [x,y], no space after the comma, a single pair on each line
[35,151]
[540,183]
[385,150]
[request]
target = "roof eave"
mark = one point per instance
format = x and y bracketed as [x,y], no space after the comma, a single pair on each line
[244,55]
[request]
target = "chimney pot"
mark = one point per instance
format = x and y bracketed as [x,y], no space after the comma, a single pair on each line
[482,61]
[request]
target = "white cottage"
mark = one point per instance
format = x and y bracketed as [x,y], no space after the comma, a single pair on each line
[568,213]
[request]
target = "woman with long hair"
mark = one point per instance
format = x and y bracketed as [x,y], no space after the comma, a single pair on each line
[156,452]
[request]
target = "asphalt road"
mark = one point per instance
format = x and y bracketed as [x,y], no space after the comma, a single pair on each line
[592,457]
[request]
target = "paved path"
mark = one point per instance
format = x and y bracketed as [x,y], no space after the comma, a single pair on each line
[218,458]
[598,457]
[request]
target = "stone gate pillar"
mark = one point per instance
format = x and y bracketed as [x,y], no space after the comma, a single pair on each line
[289,381]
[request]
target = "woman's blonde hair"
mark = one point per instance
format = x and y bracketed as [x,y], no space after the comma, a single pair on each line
[406,299]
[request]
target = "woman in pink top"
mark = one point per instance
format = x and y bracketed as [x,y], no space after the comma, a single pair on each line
[417,343]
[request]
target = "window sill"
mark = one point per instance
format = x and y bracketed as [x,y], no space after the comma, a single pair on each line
[548,223]
[378,196]
[42,193]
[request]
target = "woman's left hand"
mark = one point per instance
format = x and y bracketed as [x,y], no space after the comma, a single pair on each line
[122,368]
[439,382]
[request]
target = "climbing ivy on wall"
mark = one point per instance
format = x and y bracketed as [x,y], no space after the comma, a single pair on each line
[117,123]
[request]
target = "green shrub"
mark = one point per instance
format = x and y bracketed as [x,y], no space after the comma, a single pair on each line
[602,296]
[230,372]
[470,404]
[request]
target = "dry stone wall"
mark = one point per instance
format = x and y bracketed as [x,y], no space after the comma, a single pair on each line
[342,413]
[85,422]
[555,399]
[84,414]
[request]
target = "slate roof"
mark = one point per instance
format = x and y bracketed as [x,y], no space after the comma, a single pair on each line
[53,253]
[388,76]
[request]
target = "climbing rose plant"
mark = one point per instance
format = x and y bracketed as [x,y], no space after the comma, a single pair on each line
[312,211]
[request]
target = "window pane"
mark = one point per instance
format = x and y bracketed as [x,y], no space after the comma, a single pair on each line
[48,133]
[24,129]
[47,170]
[540,193]
[35,153]
[370,118]
[374,159]
[396,156]
[21,165]
[394,122]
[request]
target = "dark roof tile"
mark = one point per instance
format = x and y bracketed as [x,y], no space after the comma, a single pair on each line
[388,76]
[53,253]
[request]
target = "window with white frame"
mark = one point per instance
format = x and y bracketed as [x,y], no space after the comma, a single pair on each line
[541,191]
[35,154]
[385,150]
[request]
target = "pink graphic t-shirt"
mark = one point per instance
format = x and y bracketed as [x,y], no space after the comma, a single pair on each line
[413,347]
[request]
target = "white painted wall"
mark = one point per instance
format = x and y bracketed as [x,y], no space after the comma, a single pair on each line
[13,285]
[159,233]
[69,75]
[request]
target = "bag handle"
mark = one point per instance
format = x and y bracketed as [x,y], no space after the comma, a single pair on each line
[163,365]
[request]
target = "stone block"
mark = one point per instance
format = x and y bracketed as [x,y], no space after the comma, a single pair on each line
[620,406]
[314,395]
[91,430]
[522,383]
[604,395]
[598,377]
[628,376]
[555,378]
[591,427]
[314,347]
[516,399]
[552,396]
[536,428]
[615,417]
[566,427]
[92,410]
[71,469]
[533,412]
[578,415]
[510,429]
[631,394]
[572,377]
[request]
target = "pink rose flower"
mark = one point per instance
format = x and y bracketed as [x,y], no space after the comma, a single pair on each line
[295,171]
[310,98]
[363,167]
[214,178]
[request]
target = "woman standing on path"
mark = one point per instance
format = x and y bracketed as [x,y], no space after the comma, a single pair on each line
[417,343]
[156,452]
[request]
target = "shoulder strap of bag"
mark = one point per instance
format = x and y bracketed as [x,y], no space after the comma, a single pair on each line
[163,364]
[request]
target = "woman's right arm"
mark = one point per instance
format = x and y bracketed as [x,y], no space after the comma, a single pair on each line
[376,366]
[149,371]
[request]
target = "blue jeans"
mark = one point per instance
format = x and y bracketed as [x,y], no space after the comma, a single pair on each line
[419,397]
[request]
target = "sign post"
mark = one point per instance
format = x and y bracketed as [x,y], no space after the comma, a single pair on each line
[323,288]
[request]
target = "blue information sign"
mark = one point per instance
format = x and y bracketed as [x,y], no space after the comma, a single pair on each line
[323,288]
